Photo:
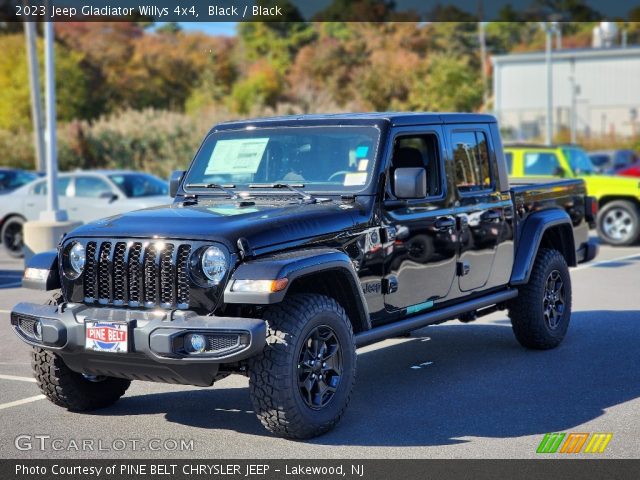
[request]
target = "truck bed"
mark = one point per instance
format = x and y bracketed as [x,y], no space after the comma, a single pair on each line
[533,194]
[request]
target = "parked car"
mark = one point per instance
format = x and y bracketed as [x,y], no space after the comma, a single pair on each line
[12,178]
[85,195]
[612,161]
[618,220]
[633,171]
[291,242]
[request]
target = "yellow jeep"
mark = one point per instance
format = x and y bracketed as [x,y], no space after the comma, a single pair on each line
[618,220]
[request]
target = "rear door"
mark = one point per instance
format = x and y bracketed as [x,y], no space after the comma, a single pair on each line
[481,210]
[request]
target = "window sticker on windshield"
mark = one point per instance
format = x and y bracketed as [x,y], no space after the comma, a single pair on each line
[363,164]
[361,151]
[236,156]
[355,178]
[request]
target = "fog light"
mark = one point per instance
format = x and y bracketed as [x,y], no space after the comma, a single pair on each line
[37,329]
[195,343]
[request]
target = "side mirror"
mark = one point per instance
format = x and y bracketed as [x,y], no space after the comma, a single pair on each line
[112,197]
[410,183]
[174,182]
[559,172]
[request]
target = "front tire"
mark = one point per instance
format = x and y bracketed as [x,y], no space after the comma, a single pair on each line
[73,390]
[619,223]
[541,313]
[301,383]
[69,389]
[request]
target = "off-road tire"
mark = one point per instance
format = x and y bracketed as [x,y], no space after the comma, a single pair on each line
[273,375]
[630,211]
[526,311]
[69,389]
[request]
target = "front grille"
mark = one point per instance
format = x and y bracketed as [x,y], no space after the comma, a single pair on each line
[137,274]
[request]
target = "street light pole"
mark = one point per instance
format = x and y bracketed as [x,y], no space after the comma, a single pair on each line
[549,29]
[52,213]
[36,101]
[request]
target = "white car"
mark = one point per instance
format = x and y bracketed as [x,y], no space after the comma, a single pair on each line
[85,195]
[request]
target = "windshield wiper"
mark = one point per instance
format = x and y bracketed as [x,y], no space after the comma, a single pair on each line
[305,196]
[224,188]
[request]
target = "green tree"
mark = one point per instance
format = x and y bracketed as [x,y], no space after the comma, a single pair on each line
[451,85]
[15,101]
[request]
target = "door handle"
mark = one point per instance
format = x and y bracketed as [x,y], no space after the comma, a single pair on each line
[491,215]
[445,223]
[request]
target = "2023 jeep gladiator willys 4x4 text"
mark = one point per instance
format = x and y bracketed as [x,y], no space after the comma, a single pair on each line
[292,241]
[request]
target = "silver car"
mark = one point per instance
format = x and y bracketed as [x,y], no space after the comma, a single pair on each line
[85,195]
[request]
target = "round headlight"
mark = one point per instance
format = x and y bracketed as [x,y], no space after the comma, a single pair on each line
[77,257]
[214,264]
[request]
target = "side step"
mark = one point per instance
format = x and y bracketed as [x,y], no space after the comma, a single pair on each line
[418,321]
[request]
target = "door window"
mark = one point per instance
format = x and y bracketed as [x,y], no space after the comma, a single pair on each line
[420,151]
[63,187]
[541,163]
[91,187]
[471,157]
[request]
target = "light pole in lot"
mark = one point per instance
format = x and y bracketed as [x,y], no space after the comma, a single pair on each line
[52,213]
[36,101]
[44,234]
[550,28]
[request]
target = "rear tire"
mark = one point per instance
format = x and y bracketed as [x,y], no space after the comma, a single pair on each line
[12,236]
[301,383]
[619,223]
[70,389]
[541,313]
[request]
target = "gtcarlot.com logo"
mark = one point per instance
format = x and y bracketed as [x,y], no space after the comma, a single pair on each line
[48,443]
[574,442]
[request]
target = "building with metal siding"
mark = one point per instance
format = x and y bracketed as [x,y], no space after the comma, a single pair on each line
[606,97]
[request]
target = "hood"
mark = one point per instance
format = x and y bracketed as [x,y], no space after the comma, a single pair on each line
[225,222]
[603,185]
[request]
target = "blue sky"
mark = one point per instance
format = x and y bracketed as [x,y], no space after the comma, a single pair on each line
[210,28]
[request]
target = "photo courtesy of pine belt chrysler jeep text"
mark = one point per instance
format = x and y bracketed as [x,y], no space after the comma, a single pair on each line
[290,242]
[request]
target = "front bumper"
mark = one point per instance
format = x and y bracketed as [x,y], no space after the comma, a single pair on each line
[155,346]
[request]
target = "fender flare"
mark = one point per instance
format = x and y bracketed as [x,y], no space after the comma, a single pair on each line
[533,230]
[292,266]
[42,272]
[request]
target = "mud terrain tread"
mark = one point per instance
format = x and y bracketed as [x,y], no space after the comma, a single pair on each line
[269,376]
[525,311]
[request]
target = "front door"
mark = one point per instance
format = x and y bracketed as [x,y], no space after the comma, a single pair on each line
[419,235]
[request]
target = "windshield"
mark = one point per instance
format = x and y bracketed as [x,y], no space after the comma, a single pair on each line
[579,161]
[135,185]
[328,159]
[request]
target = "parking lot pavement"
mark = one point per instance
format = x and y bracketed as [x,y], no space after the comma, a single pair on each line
[448,391]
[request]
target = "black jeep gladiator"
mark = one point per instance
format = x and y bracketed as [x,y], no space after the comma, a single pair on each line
[292,241]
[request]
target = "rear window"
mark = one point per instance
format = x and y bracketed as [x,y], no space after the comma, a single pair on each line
[471,157]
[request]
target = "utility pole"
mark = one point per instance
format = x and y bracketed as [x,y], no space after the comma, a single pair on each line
[45,234]
[483,56]
[574,115]
[52,213]
[36,101]
[549,28]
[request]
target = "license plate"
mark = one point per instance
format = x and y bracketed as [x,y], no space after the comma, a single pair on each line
[109,337]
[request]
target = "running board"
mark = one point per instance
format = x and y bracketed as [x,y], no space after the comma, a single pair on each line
[418,321]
